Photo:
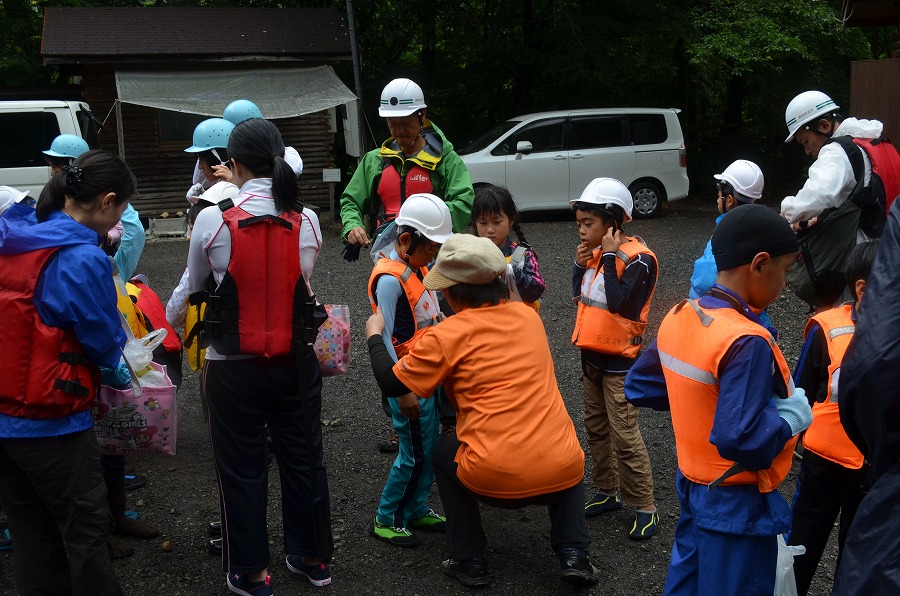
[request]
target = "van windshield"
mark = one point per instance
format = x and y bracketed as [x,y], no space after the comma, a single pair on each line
[489,137]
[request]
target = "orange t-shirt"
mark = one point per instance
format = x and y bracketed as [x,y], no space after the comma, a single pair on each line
[494,361]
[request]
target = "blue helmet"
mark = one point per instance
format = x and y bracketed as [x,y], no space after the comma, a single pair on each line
[67,146]
[211,134]
[240,110]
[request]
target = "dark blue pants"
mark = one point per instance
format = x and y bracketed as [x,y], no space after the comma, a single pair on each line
[824,490]
[244,396]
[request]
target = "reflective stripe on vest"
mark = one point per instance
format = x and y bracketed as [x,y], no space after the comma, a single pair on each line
[596,328]
[693,386]
[423,302]
[826,436]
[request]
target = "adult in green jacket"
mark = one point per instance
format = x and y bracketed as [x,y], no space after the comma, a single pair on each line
[416,158]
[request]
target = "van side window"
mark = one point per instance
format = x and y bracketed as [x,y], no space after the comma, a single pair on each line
[648,129]
[544,135]
[592,132]
[25,135]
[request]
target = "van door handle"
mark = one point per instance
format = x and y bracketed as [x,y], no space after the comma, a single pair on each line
[559,158]
[576,156]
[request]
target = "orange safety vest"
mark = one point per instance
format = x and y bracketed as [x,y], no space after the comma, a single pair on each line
[424,302]
[692,342]
[596,328]
[517,258]
[826,436]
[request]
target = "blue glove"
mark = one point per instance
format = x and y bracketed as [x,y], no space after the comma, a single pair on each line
[795,411]
[115,377]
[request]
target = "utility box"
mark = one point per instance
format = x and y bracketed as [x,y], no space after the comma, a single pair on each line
[171,226]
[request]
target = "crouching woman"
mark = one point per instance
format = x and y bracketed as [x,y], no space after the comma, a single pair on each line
[515,443]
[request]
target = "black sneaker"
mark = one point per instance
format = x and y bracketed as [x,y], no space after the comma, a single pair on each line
[239,584]
[601,504]
[645,524]
[214,545]
[134,480]
[575,568]
[214,528]
[471,572]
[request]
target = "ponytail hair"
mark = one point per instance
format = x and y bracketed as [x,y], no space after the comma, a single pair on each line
[91,174]
[257,145]
[497,200]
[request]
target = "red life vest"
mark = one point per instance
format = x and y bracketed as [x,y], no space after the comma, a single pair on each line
[44,373]
[826,436]
[598,329]
[150,308]
[393,189]
[251,311]
[423,302]
[692,382]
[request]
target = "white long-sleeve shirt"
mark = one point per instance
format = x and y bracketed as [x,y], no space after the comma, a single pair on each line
[831,176]
[210,249]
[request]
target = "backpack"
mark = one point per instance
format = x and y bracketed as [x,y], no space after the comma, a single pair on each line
[874,200]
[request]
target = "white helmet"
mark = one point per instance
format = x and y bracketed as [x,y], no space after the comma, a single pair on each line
[428,214]
[401,97]
[745,178]
[805,108]
[607,191]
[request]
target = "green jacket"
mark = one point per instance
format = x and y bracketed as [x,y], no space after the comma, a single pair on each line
[448,174]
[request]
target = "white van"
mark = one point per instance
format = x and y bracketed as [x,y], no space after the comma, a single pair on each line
[28,129]
[547,159]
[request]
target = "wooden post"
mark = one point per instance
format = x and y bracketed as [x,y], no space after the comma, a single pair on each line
[121,134]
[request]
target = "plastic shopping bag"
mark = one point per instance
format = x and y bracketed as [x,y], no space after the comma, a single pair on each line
[332,345]
[126,423]
[785,584]
[139,352]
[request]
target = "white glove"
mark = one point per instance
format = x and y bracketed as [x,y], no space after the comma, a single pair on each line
[795,411]
[194,192]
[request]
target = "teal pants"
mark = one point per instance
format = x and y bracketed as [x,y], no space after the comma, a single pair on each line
[408,486]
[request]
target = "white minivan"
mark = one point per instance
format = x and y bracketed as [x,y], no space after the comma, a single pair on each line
[547,159]
[28,129]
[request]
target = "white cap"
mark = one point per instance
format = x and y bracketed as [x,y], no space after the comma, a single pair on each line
[10,195]
[428,214]
[401,97]
[805,108]
[607,191]
[745,178]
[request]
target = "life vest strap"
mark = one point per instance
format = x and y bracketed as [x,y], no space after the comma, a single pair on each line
[73,358]
[265,218]
[72,387]
[595,303]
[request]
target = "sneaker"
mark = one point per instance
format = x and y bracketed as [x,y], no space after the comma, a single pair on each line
[134,480]
[214,528]
[601,504]
[645,524]
[239,584]
[214,545]
[575,568]
[431,521]
[318,574]
[396,536]
[471,572]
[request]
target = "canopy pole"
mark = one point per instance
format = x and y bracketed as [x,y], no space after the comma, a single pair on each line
[121,135]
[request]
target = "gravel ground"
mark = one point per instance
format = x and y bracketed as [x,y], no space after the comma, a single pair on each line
[180,496]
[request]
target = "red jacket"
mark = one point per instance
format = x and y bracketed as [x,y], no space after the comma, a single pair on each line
[44,373]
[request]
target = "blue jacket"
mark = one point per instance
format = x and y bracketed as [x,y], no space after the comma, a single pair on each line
[74,291]
[132,244]
[705,270]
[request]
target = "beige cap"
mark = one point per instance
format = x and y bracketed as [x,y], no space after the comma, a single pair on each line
[465,259]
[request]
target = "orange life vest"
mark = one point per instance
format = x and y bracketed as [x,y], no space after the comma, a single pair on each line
[596,328]
[826,436]
[693,385]
[424,302]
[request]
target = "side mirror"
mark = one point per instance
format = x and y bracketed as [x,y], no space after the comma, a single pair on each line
[524,147]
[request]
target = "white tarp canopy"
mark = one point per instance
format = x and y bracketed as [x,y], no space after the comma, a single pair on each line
[279,92]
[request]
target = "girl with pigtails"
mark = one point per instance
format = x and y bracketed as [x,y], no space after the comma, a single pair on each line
[248,256]
[494,214]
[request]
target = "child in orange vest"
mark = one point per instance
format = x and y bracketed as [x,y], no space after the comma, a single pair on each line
[613,283]
[833,469]
[494,214]
[423,224]
[735,411]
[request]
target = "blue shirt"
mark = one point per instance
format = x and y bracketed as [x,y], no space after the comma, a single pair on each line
[74,291]
[746,427]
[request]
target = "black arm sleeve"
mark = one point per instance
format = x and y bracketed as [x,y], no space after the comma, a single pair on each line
[812,371]
[627,296]
[383,368]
